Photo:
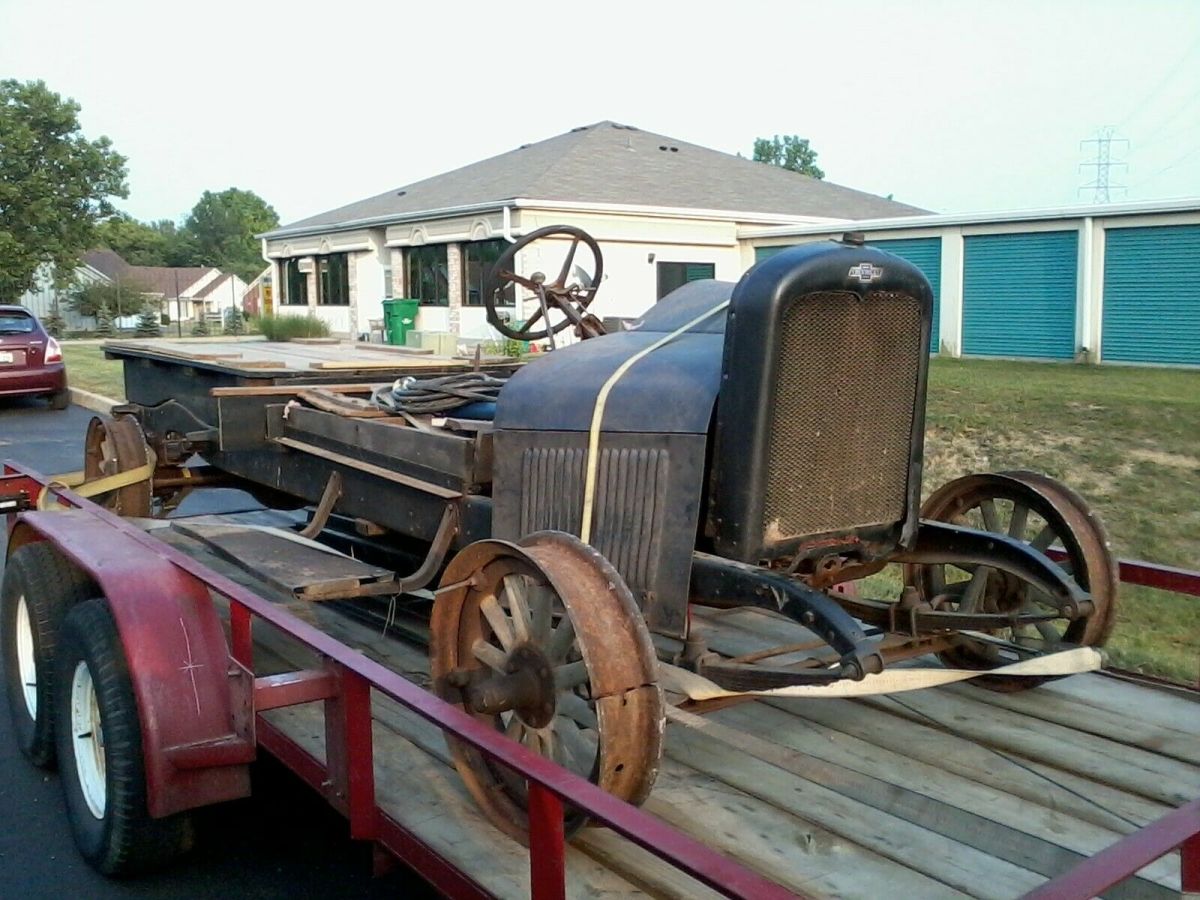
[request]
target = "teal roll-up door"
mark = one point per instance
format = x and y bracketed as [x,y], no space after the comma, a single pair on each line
[761,253]
[926,255]
[1152,295]
[1019,294]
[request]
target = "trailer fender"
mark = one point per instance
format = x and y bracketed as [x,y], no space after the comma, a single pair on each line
[179,662]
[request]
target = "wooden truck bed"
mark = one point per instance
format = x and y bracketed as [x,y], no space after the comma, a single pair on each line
[945,792]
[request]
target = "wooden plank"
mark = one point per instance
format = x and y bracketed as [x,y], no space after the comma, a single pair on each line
[1124,729]
[1128,768]
[290,390]
[1042,839]
[950,862]
[1163,708]
[395,348]
[1034,783]
[370,469]
[369,364]
[342,405]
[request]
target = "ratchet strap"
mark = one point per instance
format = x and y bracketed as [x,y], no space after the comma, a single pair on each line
[78,482]
[593,451]
[889,681]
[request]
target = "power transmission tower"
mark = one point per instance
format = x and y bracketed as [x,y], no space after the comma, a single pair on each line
[1100,185]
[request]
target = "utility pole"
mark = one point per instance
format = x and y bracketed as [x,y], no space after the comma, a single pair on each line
[1100,185]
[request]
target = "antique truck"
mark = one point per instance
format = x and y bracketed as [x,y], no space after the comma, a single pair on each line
[750,444]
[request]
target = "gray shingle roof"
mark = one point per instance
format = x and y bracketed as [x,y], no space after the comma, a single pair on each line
[612,163]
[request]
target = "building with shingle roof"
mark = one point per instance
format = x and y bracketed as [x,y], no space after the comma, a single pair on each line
[663,210]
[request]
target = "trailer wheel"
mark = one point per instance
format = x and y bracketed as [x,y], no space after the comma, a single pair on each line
[543,641]
[40,585]
[100,751]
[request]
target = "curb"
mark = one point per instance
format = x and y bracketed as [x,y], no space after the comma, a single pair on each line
[95,402]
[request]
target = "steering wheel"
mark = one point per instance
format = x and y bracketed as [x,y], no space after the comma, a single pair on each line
[568,297]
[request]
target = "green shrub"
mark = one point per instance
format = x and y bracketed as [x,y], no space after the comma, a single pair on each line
[288,328]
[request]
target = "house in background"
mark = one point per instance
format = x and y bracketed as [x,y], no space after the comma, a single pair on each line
[177,289]
[663,211]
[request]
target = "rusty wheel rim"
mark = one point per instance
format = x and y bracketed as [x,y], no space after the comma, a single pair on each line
[549,626]
[1042,513]
[113,446]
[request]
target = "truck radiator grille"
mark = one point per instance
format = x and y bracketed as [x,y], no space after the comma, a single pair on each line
[843,412]
[630,503]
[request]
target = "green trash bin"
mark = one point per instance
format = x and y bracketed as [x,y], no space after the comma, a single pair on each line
[399,318]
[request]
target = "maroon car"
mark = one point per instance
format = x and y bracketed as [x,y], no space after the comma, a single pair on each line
[31,361]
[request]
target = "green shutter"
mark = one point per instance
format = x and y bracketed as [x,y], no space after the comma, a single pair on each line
[1152,295]
[699,271]
[1019,294]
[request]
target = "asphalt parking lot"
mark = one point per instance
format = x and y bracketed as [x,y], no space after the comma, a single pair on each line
[282,842]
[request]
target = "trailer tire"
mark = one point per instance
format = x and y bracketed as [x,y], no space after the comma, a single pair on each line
[40,585]
[99,740]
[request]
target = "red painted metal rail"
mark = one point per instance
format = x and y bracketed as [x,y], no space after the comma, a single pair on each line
[347,776]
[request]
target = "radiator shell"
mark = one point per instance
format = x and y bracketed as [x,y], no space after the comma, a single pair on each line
[821,411]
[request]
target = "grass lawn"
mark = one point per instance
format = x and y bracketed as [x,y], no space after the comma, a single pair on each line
[1128,439]
[88,369]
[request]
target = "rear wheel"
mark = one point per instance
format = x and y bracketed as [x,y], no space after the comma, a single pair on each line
[40,585]
[60,400]
[99,741]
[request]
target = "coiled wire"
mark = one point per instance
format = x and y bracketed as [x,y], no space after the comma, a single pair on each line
[433,396]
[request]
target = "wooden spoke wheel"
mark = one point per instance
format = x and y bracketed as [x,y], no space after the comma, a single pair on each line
[112,446]
[1046,515]
[543,640]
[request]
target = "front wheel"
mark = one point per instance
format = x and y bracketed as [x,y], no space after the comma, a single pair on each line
[99,740]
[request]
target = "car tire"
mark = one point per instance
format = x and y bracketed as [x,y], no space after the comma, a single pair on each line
[40,586]
[99,738]
[60,400]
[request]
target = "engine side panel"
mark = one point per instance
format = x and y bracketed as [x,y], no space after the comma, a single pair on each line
[647,505]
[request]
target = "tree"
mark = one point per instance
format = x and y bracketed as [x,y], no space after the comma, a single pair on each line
[54,185]
[104,320]
[148,321]
[121,299]
[235,323]
[790,152]
[222,227]
[140,243]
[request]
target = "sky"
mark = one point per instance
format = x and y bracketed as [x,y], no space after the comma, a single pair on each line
[965,106]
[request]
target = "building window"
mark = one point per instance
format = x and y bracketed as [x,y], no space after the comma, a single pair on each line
[427,274]
[333,280]
[387,281]
[295,283]
[672,275]
[478,258]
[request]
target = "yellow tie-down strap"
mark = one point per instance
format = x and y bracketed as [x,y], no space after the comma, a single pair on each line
[78,482]
[890,681]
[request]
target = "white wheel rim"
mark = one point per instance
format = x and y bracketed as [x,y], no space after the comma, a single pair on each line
[87,736]
[26,662]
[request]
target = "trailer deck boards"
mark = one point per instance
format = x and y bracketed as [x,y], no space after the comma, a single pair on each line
[946,792]
[264,358]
